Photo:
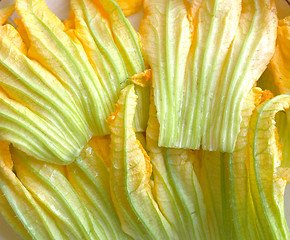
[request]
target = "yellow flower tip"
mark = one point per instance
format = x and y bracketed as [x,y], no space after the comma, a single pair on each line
[261,95]
[266,95]
[130,7]
[113,115]
[5,13]
[142,79]
[10,33]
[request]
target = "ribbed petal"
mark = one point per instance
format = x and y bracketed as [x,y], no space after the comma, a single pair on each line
[90,178]
[130,173]
[38,115]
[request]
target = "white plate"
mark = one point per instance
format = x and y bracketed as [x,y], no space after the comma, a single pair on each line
[61,9]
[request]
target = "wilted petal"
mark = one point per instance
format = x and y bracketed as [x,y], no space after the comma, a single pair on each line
[267,183]
[130,176]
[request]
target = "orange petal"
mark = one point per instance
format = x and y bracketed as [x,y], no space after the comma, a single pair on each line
[279,64]
[130,7]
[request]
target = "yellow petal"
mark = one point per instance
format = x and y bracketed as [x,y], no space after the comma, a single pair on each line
[265,159]
[50,188]
[224,181]
[236,166]
[10,33]
[130,7]
[204,61]
[165,39]
[112,48]
[279,64]
[22,31]
[101,146]
[175,185]
[130,176]
[67,60]
[5,207]
[38,223]
[90,179]
[5,156]
[28,97]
